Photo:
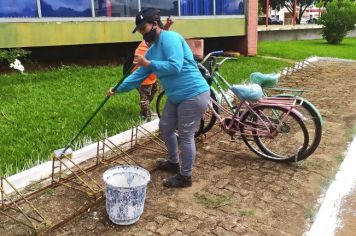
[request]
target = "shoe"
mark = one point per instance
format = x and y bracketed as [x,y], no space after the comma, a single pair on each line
[168,166]
[178,181]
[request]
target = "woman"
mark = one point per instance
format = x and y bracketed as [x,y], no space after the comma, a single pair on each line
[171,59]
[148,87]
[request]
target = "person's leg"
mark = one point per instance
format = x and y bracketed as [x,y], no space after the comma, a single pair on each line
[152,92]
[145,93]
[189,113]
[167,127]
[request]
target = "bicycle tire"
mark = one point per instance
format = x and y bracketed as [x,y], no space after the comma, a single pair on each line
[310,113]
[159,104]
[208,118]
[265,150]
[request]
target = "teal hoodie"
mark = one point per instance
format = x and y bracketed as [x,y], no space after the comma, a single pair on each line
[173,63]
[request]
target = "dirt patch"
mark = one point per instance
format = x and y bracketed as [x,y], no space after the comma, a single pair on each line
[234,191]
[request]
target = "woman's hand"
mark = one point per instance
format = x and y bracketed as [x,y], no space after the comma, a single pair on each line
[141,61]
[111,92]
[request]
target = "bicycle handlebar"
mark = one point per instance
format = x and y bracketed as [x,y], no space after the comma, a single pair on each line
[225,59]
[217,53]
[214,53]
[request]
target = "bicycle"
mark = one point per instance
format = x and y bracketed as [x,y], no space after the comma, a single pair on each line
[220,96]
[312,117]
[270,127]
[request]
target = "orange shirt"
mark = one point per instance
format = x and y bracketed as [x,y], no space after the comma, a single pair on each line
[141,50]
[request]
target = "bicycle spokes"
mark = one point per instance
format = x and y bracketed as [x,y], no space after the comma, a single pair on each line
[278,133]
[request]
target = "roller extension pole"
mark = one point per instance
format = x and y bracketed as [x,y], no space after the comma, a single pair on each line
[63,151]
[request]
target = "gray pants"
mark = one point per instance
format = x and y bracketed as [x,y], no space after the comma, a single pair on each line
[186,116]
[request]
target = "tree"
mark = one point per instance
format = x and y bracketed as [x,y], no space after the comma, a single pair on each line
[273,4]
[302,4]
[322,3]
[289,5]
[339,18]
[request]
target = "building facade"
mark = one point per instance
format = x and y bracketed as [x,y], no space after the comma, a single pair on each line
[46,23]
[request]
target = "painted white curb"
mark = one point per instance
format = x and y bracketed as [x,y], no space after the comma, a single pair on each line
[44,170]
[313,59]
[326,220]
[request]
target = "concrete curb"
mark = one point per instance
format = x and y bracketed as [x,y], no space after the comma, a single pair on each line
[326,220]
[313,59]
[44,170]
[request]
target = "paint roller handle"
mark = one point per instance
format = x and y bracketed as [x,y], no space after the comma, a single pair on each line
[128,72]
[96,111]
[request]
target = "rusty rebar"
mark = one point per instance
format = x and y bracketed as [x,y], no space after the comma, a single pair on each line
[18,208]
[2,192]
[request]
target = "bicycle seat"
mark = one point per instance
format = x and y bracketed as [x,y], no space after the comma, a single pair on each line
[264,80]
[250,92]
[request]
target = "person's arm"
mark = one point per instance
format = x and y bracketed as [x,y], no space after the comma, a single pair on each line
[134,80]
[172,47]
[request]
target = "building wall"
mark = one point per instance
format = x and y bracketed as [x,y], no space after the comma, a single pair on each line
[60,33]
[85,31]
[298,32]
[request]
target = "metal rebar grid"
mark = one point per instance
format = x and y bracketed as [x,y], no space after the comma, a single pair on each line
[161,148]
[297,67]
[82,182]
[32,218]
[67,173]
[141,139]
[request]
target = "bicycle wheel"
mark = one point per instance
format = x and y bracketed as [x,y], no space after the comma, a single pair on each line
[290,136]
[208,118]
[161,101]
[312,120]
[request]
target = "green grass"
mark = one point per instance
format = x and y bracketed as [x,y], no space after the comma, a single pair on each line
[41,112]
[299,50]
[44,110]
[247,212]
[211,201]
[236,71]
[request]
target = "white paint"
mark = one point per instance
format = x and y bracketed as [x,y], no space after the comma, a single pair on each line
[329,59]
[327,220]
[44,170]
[122,180]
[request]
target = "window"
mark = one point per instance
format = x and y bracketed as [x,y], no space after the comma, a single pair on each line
[18,8]
[66,8]
[117,8]
[229,7]
[196,7]
[167,7]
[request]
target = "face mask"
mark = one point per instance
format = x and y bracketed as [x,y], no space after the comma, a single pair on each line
[150,36]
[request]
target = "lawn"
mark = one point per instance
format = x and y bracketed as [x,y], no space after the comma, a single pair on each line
[299,50]
[42,111]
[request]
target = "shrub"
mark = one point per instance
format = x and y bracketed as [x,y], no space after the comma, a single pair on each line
[9,55]
[339,18]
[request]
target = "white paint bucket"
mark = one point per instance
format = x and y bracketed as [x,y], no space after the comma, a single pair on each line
[125,193]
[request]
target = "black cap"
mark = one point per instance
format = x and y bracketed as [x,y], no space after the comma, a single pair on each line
[146,15]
